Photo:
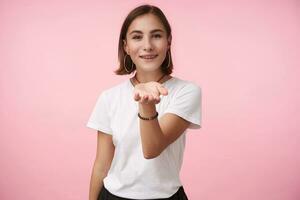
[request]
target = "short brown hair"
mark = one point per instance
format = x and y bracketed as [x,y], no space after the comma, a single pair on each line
[138,11]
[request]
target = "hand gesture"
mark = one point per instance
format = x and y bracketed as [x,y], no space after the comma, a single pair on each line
[149,93]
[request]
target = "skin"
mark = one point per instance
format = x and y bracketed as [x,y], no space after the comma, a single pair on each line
[156,134]
[147,42]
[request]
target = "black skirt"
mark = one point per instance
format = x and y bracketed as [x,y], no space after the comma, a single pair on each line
[106,195]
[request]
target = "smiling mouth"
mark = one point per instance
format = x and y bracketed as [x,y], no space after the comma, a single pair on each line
[149,57]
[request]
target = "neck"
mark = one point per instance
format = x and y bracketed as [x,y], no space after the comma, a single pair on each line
[148,76]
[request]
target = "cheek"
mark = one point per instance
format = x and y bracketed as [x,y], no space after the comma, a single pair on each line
[134,49]
[162,45]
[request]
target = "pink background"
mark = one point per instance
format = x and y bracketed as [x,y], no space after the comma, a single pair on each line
[57,56]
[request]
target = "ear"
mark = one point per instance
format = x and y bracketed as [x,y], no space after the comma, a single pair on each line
[125,46]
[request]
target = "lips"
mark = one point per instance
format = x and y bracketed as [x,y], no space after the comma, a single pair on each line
[148,57]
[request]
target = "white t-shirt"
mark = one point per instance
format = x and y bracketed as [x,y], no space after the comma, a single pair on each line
[130,174]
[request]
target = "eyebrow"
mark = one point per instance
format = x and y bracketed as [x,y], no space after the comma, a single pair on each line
[138,31]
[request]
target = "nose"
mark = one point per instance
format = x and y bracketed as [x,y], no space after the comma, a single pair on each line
[147,44]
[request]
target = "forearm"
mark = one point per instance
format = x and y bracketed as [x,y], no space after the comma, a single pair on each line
[151,133]
[96,183]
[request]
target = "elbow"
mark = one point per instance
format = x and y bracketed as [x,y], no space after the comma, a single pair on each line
[150,155]
[152,152]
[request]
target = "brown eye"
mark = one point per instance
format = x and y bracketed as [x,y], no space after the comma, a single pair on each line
[157,36]
[136,37]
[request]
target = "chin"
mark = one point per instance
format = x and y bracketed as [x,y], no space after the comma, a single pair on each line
[149,66]
[150,69]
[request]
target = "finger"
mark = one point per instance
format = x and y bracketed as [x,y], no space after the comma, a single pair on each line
[150,98]
[154,99]
[147,99]
[144,99]
[141,99]
[157,98]
[162,90]
[136,97]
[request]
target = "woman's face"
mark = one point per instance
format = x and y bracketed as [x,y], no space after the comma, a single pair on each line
[146,35]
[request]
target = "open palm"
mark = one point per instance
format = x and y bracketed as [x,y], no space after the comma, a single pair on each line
[149,93]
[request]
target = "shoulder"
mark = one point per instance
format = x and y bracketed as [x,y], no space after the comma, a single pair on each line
[181,86]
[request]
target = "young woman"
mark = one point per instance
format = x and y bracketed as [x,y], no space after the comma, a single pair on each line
[141,122]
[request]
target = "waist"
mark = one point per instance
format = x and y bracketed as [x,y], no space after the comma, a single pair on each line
[106,195]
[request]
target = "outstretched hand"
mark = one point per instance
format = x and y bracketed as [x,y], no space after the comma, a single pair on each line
[149,93]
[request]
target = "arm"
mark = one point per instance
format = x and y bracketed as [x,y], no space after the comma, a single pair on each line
[156,134]
[104,156]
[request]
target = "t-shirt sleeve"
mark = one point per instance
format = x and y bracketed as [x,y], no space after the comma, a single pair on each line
[99,118]
[186,103]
